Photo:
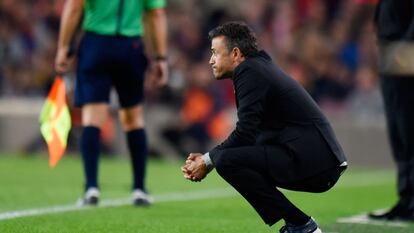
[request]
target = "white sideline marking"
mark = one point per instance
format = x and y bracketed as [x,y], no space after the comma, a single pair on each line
[167,197]
[364,219]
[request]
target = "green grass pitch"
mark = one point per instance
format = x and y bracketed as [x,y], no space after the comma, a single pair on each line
[26,182]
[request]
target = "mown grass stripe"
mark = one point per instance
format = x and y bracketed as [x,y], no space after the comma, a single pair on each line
[363,219]
[167,197]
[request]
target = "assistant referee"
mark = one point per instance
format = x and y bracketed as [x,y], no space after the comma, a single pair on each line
[111,54]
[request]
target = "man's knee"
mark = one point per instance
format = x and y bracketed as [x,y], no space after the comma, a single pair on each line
[224,162]
[132,122]
[94,114]
[132,118]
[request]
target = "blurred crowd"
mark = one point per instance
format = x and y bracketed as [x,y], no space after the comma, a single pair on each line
[326,45]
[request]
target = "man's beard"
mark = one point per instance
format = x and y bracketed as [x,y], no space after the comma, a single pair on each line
[226,75]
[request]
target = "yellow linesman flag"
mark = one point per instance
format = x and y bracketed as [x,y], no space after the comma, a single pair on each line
[55,121]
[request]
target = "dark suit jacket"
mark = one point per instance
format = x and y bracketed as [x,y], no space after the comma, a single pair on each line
[394,19]
[274,110]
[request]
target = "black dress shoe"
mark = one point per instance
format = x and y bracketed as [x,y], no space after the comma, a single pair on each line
[397,213]
[309,227]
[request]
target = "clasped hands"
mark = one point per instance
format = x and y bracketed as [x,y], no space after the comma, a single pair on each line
[195,168]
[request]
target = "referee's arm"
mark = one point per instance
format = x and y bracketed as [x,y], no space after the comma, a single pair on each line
[156,30]
[156,36]
[71,16]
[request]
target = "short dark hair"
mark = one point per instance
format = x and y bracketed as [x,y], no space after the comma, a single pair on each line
[237,34]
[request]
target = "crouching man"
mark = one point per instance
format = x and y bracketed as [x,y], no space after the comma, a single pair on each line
[281,139]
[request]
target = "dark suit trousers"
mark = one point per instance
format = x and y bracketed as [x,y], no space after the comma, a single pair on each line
[398,93]
[247,169]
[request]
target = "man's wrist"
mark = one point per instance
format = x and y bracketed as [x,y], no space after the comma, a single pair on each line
[160,58]
[63,46]
[207,160]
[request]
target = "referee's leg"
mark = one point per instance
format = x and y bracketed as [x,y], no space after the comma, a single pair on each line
[132,122]
[93,117]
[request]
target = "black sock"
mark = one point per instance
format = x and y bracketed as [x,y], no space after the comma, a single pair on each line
[296,217]
[137,144]
[90,148]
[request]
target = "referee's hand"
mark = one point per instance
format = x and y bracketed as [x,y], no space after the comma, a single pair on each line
[63,61]
[159,74]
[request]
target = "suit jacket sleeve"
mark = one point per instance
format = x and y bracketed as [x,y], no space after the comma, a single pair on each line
[249,97]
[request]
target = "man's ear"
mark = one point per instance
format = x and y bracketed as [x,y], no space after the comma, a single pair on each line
[236,53]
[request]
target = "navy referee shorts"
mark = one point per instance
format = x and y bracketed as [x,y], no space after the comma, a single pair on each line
[110,61]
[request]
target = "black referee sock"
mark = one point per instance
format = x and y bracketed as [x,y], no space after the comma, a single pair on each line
[138,149]
[90,148]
